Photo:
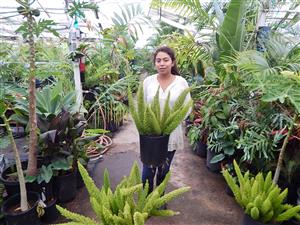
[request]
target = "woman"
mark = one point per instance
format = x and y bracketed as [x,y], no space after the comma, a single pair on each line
[167,80]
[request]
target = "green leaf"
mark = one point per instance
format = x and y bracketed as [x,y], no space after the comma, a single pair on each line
[2,108]
[217,158]
[60,164]
[220,115]
[232,30]
[4,142]
[30,179]
[229,151]
[46,173]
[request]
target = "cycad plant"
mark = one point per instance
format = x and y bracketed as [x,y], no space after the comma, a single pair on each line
[261,199]
[150,120]
[129,204]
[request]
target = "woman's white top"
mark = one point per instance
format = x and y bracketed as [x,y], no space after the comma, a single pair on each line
[179,84]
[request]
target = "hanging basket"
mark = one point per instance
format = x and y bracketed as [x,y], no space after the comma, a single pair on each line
[154,149]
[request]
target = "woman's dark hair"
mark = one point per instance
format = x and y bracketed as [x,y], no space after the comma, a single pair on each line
[171,53]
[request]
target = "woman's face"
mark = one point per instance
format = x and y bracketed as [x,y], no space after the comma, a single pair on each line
[163,63]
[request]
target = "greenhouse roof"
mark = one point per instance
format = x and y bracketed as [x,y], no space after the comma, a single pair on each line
[55,10]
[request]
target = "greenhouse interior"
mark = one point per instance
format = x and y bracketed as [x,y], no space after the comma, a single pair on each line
[155,112]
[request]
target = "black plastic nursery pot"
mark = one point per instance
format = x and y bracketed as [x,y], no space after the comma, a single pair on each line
[291,222]
[12,187]
[247,220]
[229,191]
[112,126]
[154,149]
[79,180]
[213,167]
[29,217]
[65,187]
[51,212]
[201,149]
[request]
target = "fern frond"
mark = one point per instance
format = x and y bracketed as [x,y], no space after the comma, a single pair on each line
[76,217]
[181,99]
[166,112]
[89,183]
[178,118]
[164,213]
[139,218]
[169,196]
[155,105]
[106,180]
[133,112]
[141,108]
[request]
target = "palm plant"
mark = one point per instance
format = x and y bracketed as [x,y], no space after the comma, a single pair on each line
[193,57]
[190,9]
[130,20]
[281,54]
[108,103]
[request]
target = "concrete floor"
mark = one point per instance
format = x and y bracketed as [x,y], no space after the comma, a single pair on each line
[205,204]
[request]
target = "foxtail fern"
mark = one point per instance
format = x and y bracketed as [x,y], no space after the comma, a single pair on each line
[150,120]
[129,204]
[261,199]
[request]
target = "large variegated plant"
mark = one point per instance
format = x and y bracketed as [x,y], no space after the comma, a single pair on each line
[150,120]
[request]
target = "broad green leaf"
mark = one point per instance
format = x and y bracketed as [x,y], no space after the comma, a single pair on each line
[217,158]
[232,31]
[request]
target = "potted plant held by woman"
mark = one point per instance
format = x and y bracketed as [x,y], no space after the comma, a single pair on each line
[154,126]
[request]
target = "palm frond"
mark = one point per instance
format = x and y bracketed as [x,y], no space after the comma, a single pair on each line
[130,19]
[191,9]
[188,50]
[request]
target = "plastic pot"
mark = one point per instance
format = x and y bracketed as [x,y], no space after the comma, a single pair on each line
[247,220]
[79,180]
[228,191]
[213,167]
[154,149]
[29,217]
[51,212]
[13,187]
[291,222]
[112,126]
[65,187]
[201,149]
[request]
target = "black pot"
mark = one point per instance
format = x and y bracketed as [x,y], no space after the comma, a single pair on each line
[291,222]
[112,126]
[51,212]
[65,187]
[228,191]
[79,180]
[247,220]
[201,149]
[29,217]
[90,96]
[13,187]
[292,193]
[213,167]
[154,149]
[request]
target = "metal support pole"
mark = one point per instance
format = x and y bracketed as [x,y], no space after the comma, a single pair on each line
[78,87]
[74,38]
